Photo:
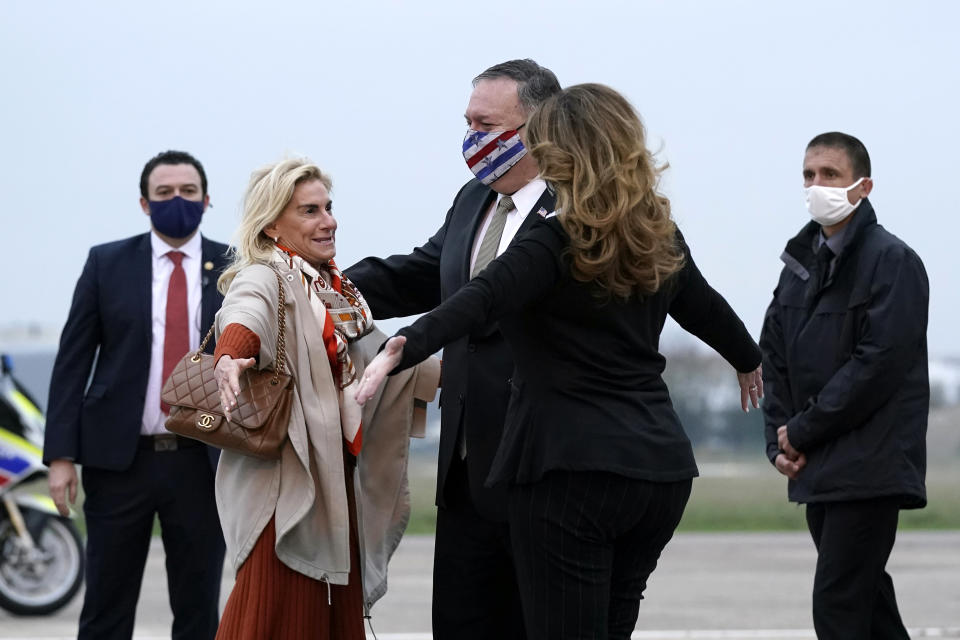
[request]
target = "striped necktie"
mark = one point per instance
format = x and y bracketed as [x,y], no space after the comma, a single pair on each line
[486,254]
[491,239]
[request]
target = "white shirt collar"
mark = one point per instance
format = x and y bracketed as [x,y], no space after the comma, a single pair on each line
[527,196]
[192,248]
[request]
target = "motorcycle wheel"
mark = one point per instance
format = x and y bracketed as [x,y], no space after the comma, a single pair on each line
[41,581]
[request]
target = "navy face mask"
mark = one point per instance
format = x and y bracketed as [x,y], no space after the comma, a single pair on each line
[176,217]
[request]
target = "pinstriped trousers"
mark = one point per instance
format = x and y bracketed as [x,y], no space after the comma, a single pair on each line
[584,544]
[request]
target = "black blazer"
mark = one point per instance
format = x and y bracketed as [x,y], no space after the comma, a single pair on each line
[587,393]
[476,367]
[99,378]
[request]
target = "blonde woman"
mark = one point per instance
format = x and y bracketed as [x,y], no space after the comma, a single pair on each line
[308,565]
[597,463]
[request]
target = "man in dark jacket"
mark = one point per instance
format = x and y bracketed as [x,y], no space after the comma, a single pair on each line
[475,594]
[846,389]
[139,305]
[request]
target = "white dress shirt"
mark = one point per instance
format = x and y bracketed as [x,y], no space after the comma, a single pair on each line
[153,417]
[523,201]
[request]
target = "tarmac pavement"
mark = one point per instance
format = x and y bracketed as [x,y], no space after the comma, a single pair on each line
[734,586]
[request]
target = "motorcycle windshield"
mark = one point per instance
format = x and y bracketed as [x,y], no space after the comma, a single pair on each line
[19,413]
[18,459]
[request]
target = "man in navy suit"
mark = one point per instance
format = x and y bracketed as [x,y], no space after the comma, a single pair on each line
[139,305]
[475,592]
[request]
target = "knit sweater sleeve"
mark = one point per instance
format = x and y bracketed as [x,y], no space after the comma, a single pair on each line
[237,341]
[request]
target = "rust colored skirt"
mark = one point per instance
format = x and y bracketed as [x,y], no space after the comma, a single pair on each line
[271,600]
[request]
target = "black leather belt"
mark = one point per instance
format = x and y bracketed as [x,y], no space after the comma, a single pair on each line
[167,442]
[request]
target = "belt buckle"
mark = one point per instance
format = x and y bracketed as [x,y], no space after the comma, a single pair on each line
[165,442]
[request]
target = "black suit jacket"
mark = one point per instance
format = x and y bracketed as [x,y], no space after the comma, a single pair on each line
[587,392]
[476,368]
[99,378]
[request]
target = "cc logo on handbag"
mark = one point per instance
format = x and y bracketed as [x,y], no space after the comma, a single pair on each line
[206,422]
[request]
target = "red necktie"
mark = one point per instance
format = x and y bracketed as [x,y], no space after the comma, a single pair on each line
[176,337]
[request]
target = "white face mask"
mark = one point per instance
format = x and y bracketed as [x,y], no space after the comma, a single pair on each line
[829,205]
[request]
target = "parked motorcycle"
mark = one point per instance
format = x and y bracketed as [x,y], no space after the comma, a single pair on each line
[41,553]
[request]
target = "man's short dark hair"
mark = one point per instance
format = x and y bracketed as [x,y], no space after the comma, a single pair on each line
[170,157]
[534,83]
[856,152]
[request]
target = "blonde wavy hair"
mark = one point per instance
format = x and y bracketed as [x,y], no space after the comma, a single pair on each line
[268,194]
[591,148]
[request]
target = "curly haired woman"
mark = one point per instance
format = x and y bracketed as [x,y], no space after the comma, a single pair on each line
[598,466]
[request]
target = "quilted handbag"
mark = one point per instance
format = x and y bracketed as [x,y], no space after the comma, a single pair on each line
[258,424]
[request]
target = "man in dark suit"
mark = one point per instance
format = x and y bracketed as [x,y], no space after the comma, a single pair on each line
[474,586]
[139,305]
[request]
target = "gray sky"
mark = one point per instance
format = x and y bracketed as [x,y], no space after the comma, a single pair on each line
[374,92]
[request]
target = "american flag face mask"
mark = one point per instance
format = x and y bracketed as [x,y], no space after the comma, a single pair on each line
[490,154]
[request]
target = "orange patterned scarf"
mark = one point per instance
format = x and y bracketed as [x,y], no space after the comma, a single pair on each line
[344,316]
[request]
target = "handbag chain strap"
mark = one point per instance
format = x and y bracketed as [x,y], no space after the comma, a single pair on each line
[281,359]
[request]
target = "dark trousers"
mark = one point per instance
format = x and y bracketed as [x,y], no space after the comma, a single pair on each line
[119,507]
[475,593]
[853,597]
[585,543]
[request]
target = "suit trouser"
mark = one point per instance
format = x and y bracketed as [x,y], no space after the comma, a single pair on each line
[475,595]
[585,543]
[853,596]
[119,507]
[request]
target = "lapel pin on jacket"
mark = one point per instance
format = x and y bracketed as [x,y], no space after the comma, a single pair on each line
[208,266]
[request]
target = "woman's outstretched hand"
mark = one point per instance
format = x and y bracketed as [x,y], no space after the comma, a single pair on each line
[378,369]
[751,388]
[227,374]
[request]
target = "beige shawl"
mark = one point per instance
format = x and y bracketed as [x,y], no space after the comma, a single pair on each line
[305,488]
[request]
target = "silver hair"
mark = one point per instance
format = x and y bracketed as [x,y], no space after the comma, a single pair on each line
[534,83]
